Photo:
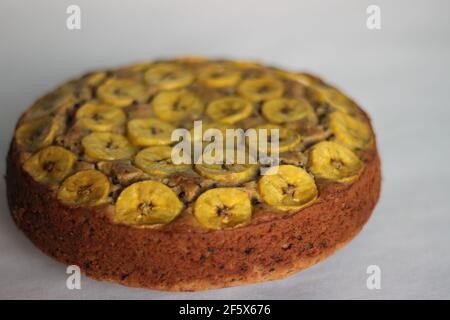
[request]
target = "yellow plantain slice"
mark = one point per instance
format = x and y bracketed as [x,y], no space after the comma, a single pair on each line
[85,188]
[219,76]
[38,133]
[149,132]
[147,203]
[121,92]
[49,105]
[107,146]
[176,106]
[95,78]
[167,76]
[302,78]
[285,110]
[334,98]
[229,110]
[98,117]
[288,188]
[230,174]
[245,64]
[223,208]
[50,165]
[332,161]
[349,131]
[222,127]
[260,89]
[288,139]
[157,161]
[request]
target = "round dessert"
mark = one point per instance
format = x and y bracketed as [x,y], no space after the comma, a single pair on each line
[92,178]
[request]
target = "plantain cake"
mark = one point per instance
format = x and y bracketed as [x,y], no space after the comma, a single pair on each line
[91,179]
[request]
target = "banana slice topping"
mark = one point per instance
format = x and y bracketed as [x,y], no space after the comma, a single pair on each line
[149,132]
[85,188]
[229,172]
[229,110]
[223,208]
[147,203]
[176,106]
[349,131]
[302,78]
[221,127]
[332,161]
[287,139]
[168,76]
[95,78]
[107,146]
[288,188]
[49,105]
[50,165]
[334,98]
[157,160]
[38,133]
[260,89]
[285,110]
[98,117]
[219,75]
[121,92]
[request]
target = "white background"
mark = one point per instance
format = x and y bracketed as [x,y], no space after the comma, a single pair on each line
[399,74]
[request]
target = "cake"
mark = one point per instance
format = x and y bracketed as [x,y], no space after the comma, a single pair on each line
[92,179]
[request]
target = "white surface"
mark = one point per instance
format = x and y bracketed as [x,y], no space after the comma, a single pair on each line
[399,74]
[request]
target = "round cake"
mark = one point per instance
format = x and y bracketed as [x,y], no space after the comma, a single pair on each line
[133,173]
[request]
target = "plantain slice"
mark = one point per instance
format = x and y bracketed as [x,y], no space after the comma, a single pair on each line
[95,78]
[230,171]
[302,78]
[50,165]
[176,106]
[207,137]
[245,64]
[50,105]
[121,92]
[107,146]
[332,161]
[287,139]
[168,76]
[38,133]
[349,131]
[229,110]
[99,117]
[149,132]
[335,99]
[288,188]
[259,89]
[221,127]
[85,188]
[147,203]
[285,110]
[219,76]
[223,208]
[157,160]
[136,68]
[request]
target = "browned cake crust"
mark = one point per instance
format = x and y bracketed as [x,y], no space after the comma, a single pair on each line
[187,260]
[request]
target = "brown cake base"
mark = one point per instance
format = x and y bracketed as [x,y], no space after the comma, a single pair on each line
[186,260]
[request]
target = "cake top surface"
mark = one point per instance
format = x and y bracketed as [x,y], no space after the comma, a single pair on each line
[214,144]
